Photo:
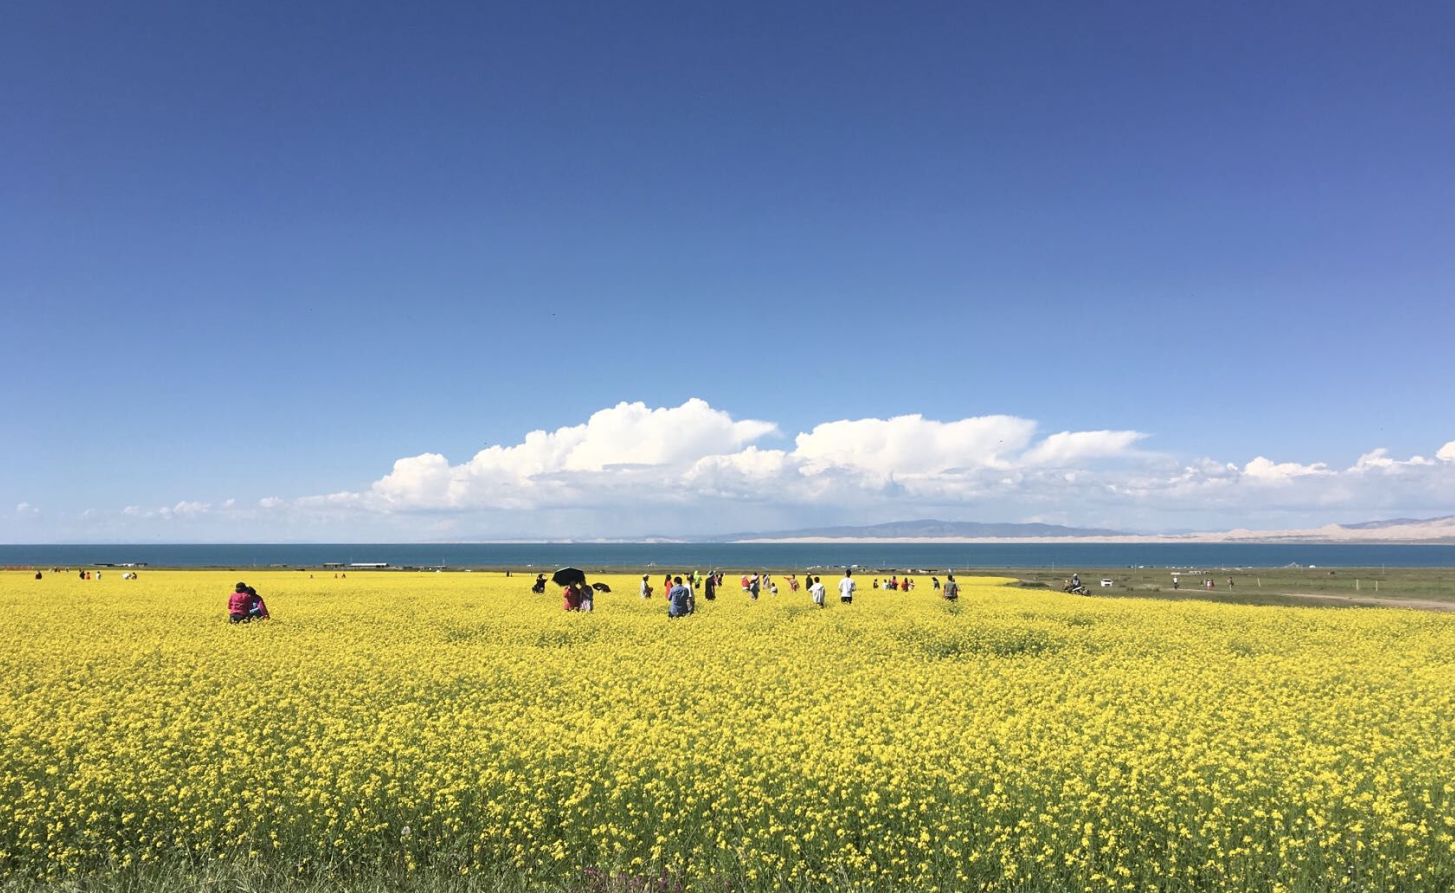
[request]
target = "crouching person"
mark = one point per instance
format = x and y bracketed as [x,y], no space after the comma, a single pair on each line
[679,599]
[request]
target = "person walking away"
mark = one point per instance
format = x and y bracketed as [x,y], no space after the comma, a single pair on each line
[709,589]
[753,588]
[846,587]
[817,591]
[952,589]
[691,595]
[571,597]
[678,600]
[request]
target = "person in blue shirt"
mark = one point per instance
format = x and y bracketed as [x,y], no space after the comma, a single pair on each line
[679,599]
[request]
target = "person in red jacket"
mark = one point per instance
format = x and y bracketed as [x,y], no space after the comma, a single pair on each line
[572,596]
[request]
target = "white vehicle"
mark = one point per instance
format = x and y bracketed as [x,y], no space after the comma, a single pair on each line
[1105,583]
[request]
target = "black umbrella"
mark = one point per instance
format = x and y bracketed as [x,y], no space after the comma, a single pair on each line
[568,575]
[600,587]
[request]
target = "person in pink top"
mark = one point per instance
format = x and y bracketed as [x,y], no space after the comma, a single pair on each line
[245,605]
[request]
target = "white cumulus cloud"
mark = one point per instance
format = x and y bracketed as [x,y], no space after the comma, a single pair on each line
[1267,470]
[615,448]
[1072,447]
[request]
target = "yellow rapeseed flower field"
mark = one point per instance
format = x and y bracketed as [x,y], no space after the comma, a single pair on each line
[1017,740]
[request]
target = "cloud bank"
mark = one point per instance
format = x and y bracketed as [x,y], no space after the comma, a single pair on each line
[993,467]
[631,469]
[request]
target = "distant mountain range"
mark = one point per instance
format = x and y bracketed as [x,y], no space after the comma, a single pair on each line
[1400,530]
[924,529]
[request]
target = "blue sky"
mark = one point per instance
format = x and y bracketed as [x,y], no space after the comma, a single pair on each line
[262,252]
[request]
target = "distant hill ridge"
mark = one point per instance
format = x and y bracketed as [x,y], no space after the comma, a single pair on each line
[1397,522]
[926,528]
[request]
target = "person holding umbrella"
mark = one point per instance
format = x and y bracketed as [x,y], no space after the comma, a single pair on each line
[574,580]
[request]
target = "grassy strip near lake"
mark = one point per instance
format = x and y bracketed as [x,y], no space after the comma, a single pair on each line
[1346,586]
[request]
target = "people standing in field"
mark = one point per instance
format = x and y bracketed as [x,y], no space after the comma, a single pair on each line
[539,586]
[952,589]
[817,591]
[709,588]
[753,587]
[846,587]
[679,599]
[936,582]
[646,586]
[588,598]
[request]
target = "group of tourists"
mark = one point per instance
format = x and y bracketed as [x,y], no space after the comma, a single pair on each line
[680,590]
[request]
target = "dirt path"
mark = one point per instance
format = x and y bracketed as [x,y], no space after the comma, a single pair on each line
[1417,604]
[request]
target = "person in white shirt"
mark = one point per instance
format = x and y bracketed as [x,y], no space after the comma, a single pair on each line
[646,587]
[817,591]
[846,587]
